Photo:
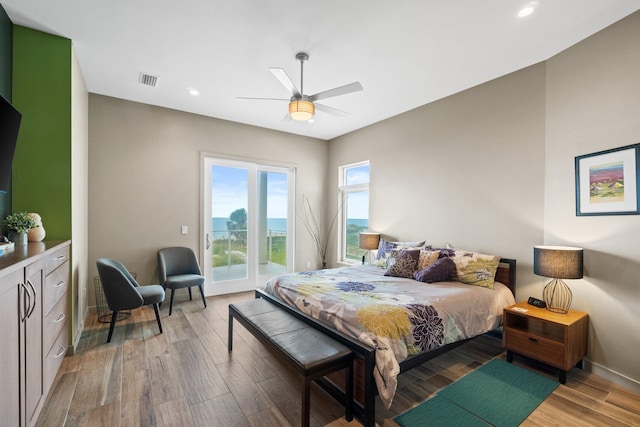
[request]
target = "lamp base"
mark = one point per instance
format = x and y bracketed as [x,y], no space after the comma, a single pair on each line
[557,296]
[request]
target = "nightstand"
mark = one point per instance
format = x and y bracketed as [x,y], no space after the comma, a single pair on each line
[559,340]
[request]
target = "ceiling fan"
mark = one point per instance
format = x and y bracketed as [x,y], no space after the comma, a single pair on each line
[302,107]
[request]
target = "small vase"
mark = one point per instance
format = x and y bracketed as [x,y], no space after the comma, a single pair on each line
[36,234]
[19,239]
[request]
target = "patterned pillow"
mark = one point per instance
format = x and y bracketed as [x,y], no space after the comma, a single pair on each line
[476,269]
[385,247]
[440,271]
[427,257]
[402,263]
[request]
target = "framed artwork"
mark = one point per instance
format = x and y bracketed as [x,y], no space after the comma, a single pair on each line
[608,182]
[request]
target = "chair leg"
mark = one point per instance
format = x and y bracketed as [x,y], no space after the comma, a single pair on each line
[171,302]
[155,308]
[190,297]
[114,317]
[204,301]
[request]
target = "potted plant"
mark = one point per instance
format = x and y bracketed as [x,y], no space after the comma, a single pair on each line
[19,224]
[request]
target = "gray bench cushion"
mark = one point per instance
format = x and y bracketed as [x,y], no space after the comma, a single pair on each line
[305,346]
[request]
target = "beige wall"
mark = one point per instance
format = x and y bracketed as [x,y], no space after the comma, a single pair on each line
[79,198]
[466,170]
[144,178]
[593,104]
[492,169]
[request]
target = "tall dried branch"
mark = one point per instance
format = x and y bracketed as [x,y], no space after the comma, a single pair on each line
[320,237]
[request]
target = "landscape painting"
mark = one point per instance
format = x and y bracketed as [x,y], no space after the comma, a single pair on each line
[607,182]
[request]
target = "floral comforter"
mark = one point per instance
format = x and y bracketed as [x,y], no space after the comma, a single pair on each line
[398,317]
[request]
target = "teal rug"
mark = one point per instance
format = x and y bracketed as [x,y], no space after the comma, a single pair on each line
[496,394]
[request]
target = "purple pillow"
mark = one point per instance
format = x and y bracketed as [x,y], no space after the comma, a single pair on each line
[402,263]
[440,271]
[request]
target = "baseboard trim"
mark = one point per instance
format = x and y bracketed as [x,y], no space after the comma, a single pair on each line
[613,376]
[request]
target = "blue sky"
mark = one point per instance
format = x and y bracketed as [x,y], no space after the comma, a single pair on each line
[229,192]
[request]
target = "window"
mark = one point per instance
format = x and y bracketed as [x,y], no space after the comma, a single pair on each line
[354,215]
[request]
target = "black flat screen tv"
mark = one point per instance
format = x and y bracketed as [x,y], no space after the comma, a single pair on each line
[9,127]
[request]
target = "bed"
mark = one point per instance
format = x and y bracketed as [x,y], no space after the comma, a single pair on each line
[391,323]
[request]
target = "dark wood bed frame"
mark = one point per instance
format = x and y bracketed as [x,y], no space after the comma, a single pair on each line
[365,389]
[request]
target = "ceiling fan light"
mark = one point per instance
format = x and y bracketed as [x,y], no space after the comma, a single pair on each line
[301,110]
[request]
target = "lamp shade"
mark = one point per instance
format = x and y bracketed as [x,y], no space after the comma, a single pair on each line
[301,110]
[369,241]
[558,262]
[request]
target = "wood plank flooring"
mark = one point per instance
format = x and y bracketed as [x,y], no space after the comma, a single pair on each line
[186,377]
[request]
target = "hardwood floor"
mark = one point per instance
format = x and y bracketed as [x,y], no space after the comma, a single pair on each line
[186,377]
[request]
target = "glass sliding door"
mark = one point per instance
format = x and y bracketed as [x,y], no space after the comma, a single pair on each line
[248,234]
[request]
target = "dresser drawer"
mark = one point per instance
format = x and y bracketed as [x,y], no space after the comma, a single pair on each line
[55,285]
[56,259]
[542,349]
[53,360]
[54,322]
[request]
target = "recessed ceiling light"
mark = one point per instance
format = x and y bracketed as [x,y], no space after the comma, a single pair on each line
[528,9]
[194,92]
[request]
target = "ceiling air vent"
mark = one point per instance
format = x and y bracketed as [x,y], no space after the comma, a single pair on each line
[148,79]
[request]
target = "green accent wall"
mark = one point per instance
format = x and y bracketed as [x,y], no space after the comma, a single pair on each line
[42,164]
[6,42]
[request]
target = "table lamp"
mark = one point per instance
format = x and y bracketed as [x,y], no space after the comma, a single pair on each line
[369,241]
[557,262]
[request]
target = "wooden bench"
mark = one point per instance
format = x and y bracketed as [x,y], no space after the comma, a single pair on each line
[311,353]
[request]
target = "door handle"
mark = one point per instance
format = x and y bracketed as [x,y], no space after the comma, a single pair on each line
[26,301]
[208,241]
[35,299]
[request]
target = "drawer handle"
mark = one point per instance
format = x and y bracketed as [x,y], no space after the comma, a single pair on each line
[60,283]
[60,318]
[60,257]
[63,350]
[533,339]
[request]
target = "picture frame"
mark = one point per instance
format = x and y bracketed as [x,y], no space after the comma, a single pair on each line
[608,182]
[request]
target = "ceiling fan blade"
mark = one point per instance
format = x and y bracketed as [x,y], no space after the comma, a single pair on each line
[331,110]
[342,90]
[244,98]
[287,118]
[282,76]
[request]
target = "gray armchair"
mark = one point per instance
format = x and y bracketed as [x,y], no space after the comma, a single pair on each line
[178,268]
[122,292]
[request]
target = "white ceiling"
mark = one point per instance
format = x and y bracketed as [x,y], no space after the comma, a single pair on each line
[405,53]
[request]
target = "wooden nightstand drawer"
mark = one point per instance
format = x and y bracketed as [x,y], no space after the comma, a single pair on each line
[542,349]
[559,340]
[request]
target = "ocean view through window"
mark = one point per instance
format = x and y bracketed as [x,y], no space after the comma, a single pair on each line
[354,191]
[248,236]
